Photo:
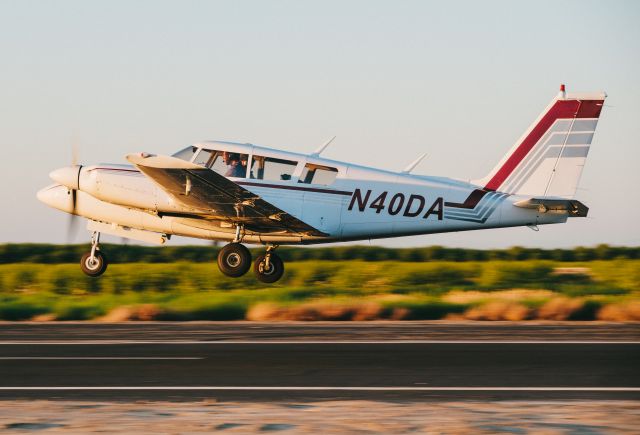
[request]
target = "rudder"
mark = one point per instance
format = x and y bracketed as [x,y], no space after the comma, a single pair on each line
[548,159]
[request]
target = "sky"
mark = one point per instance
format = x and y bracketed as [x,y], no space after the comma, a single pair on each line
[459,80]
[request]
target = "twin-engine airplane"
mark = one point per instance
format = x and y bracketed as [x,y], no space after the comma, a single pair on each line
[244,193]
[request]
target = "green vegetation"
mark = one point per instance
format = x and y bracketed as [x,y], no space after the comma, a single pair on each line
[326,289]
[53,254]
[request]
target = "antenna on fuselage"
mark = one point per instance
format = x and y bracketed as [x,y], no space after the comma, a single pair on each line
[413,164]
[322,147]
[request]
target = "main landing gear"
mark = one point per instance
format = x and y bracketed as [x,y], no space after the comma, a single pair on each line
[234,260]
[269,267]
[94,263]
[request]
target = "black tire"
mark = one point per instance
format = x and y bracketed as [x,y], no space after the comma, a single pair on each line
[275,272]
[96,268]
[234,260]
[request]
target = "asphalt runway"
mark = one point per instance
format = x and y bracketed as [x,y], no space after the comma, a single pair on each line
[386,360]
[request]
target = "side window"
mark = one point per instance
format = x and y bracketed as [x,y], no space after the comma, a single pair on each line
[203,157]
[217,163]
[235,164]
[316,174]
[269,168]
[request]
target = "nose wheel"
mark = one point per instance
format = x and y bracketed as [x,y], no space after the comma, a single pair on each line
[94,263]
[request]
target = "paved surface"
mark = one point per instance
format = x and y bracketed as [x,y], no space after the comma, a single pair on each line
[323,331]
[246,361]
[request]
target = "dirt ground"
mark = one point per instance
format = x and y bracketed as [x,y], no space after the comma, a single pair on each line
[322,417]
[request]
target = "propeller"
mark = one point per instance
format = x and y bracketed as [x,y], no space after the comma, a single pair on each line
[72,225]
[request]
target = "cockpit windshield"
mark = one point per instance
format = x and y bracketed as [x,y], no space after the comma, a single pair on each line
[187,153]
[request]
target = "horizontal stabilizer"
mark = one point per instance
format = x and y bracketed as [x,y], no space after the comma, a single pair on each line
[544,205]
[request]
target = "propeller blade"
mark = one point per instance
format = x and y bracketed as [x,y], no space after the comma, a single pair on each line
[74,151]
[74,200]
[72,228]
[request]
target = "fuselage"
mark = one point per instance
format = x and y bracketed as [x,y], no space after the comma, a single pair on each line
[342,200]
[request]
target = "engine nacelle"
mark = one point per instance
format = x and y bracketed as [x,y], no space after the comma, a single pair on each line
[124,185]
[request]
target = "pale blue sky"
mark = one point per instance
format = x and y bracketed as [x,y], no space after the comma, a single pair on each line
[458,80]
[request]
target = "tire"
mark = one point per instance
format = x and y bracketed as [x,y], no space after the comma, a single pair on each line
[234,260]
[96,268]
[275,272]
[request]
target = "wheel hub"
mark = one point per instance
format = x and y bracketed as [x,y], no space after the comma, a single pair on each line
[266,270]
[92,263]
[233,259]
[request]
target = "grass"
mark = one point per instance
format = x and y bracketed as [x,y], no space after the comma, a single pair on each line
[344,290]
[55,254]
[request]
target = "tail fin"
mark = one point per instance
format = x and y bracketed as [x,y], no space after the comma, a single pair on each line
[548,159]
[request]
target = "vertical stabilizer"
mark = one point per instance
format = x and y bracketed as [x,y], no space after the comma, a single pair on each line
[548,159]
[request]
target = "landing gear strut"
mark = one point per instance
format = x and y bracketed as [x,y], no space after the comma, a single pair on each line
[94,263]
[269,267]
[234,259]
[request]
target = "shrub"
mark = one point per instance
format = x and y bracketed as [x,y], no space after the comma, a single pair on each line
[508,275]
[588,311]
[560,308]
[229,310]
[78,311]
[498,310]
[443,275]
[423,309]
[620,312]
[20,276]
[20,310]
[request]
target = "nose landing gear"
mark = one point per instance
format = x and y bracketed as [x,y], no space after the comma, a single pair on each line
[94,263]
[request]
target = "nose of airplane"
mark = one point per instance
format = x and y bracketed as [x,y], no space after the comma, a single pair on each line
[57,196]
[67,176]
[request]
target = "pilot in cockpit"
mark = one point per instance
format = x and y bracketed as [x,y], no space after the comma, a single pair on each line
[244,159]
[235,168]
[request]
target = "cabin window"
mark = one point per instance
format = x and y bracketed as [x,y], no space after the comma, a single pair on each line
[316,174]
[203,157]
[186,154]
[269,168]
[224,162]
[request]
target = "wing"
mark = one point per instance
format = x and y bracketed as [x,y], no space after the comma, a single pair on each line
[213,196]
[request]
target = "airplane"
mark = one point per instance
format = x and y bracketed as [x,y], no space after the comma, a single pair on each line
[245,193]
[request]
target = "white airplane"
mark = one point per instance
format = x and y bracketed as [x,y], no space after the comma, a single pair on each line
[244,193]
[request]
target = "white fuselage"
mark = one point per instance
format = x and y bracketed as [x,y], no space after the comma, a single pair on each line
[361,203]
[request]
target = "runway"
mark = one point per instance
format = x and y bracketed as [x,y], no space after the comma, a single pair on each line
[247,361]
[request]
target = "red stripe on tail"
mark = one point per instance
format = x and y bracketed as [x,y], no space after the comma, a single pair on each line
[562,109]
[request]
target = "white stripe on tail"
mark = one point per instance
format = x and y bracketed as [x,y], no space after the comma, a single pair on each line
[548,159]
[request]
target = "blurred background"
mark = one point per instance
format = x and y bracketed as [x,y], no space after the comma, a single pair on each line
[458,80]
[44,282]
